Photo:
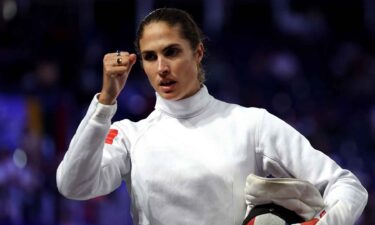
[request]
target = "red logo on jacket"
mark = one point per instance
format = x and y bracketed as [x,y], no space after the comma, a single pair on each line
[111,136]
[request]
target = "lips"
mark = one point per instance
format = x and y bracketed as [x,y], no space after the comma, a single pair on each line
[166,83]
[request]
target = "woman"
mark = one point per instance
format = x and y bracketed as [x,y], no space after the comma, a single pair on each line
[187,162]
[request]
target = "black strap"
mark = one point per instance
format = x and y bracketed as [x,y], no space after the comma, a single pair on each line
[285,214]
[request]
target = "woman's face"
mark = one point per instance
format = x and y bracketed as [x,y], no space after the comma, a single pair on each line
[169,61]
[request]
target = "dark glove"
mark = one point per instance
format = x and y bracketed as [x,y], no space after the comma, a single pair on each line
[272,214]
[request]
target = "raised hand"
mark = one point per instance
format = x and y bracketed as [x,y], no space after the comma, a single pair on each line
[116,68]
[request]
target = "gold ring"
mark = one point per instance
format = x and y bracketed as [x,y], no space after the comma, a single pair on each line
[119,60]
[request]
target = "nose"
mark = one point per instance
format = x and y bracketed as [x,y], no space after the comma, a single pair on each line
[163,66]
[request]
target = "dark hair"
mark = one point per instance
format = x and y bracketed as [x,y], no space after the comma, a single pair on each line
[189,30]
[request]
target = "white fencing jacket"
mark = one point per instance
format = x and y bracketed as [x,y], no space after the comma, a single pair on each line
[187,162]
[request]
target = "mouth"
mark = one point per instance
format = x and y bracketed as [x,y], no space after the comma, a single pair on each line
[167,83]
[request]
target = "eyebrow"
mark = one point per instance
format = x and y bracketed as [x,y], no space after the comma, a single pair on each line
[175,45]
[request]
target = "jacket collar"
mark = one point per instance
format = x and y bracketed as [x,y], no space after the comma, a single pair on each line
[184,108]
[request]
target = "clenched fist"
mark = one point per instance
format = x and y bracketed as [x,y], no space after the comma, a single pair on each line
[116,68]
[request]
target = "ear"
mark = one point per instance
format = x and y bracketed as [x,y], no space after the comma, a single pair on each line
[199,52]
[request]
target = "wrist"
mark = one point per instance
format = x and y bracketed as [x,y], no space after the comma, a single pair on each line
[106,99]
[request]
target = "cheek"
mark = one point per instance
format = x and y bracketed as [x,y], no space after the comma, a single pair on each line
[148,71]
[190,70]
[146,67]
[188,67]
[151,79]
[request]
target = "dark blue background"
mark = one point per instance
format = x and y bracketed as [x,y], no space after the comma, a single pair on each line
[311,63]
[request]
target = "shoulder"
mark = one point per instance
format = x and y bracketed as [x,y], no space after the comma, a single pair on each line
[137,125]
[131,128]
[240,117]
[253,112]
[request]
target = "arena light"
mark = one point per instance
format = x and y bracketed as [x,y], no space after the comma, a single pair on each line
[9,9]
[20,158]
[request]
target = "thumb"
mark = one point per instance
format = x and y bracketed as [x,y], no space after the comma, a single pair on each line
[132,59]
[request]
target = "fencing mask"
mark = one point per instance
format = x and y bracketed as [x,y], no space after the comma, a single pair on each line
[280,201]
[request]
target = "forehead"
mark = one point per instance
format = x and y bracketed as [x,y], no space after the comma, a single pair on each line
[158,35]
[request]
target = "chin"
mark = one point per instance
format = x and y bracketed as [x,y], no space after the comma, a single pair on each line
[170,96]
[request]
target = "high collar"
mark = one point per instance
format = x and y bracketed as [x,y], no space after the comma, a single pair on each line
[184,108]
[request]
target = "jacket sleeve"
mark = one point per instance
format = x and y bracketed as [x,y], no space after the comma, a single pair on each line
[287,153]
[91,168]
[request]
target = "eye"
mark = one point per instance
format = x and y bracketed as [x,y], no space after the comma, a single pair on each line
[149,56]
[171,52]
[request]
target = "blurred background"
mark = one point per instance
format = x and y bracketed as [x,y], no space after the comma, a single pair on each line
[311,63]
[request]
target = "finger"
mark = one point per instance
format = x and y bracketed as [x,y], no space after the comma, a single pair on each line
[120,53]
[122,60]
[116,62]
[117,71]
[114,55]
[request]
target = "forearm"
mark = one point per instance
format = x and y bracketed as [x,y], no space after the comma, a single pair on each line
[79,173]
[345,201]
[289,153]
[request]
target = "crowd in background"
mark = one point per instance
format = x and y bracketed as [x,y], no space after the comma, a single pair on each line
[311,63]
